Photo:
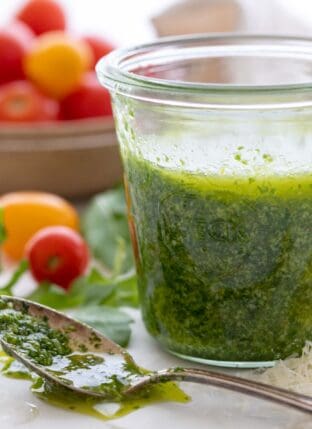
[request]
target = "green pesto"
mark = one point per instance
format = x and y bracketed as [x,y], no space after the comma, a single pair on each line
[109,374]
[224,263]
[31,336]
[61,397]
[103,373]
[48,347]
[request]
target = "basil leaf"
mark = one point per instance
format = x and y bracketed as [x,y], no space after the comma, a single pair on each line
[3,232]
[95,288]
[91,292]
[111,322]
[17,274]
[54,296]
[92,289]
[125,291]
[105,227]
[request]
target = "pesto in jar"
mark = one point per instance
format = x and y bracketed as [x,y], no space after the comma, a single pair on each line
[224,263]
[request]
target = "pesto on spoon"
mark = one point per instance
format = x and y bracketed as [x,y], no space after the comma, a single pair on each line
[70,354]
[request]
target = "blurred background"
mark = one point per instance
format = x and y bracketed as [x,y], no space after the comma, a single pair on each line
[72,149]
[127,22]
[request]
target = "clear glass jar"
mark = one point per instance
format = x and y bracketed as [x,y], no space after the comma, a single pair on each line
[216,140]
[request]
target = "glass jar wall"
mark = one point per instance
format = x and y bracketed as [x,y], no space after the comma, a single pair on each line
[216,140]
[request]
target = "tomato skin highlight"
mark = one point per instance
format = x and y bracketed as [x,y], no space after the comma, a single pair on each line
[57,254]
[20,101]
[25,213]
[90,100]
[15,42]
[43,16]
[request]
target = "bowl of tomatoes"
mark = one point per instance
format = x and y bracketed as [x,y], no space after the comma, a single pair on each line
[56,127]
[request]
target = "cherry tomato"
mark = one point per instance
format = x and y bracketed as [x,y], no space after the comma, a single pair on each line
[25,213]
[99,47]
[15,43]
[43,16]
[57,254]
[20,101]
[89,100]
[57,62]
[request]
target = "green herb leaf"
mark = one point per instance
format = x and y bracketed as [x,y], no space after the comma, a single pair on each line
[91,292]
[109,321]
[17,274]
[3,232]
[93,289]
[125,291]
[54,296]
[105,228]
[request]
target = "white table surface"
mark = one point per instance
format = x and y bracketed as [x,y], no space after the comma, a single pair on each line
[210,407]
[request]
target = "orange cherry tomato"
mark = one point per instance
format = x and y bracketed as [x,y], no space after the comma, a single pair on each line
[56,63]
[25,213]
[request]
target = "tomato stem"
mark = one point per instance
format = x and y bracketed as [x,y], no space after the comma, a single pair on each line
[53,262]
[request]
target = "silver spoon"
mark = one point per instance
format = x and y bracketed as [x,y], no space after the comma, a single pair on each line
[94,342]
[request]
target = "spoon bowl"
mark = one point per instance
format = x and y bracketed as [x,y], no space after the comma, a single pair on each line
[86,341]
[82,338]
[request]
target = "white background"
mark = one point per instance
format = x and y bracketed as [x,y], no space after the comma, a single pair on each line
[126,22]
[123,21]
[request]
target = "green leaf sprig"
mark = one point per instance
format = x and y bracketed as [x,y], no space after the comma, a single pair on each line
[105,227]
[96,297]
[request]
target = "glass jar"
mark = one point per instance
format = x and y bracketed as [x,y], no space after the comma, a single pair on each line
[216,140]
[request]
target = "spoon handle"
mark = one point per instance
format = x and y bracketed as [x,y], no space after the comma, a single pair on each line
[230,382]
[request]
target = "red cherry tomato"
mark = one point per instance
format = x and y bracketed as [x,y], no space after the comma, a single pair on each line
[43,16]
[20,101]
[89,100]
[57,254]
[15,43]
[99,47]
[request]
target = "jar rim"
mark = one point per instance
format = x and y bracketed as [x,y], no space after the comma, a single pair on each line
[116,71]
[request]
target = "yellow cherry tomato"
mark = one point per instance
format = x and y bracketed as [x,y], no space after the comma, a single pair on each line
[57,62]
[25,213]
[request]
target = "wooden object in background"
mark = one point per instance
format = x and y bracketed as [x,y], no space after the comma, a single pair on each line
[198,16]
[73,159]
